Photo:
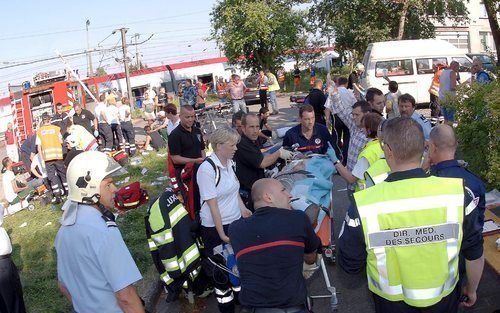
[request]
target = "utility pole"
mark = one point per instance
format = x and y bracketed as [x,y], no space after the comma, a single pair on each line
[138,63]
[125,62]
[89,57]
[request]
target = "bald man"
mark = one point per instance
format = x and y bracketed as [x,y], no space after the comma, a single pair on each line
[442,148]
[270,248]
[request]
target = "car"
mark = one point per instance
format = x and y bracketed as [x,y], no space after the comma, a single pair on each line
[488,63]
[252,92]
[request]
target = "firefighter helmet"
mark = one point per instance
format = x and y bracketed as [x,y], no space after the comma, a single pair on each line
[86,172]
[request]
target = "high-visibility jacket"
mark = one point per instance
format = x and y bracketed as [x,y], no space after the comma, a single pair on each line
[371,152]
[173,248]
[434,88]
[273,82]
[413,233]
[221,89]
[51,143]
[377,173]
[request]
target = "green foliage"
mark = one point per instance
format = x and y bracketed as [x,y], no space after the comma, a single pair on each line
[255,34]
[356,23]
[100,71]
[33,245]
[478,114]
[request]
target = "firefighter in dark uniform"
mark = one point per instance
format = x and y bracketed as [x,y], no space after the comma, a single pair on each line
[59,119]
[176,257]
[49,142]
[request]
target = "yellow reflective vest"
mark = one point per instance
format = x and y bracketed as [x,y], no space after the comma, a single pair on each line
[377,173]
[371,152]
[50,142]
[273,82]
[413,233]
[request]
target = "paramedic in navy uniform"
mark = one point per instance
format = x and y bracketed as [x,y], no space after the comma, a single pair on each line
[309,135]
[271,247]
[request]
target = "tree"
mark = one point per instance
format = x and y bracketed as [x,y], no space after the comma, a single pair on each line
[492,8]
[356,23]
[255,34]
[100,71]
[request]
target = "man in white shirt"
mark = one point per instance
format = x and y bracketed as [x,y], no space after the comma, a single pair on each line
[105,132]
[340,131]
[11,292]
[113,115]
[127,127]
[14,194]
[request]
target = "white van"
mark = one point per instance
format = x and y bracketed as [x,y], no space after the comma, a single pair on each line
[409,63]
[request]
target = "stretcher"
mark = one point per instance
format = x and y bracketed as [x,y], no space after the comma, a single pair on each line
[309,180]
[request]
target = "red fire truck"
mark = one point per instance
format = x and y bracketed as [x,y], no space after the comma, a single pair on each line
[30,102]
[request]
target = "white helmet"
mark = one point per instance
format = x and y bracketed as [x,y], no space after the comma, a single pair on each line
[360,67]
[86,172]
[71,141]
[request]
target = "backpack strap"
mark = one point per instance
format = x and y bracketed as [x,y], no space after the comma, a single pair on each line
[216,170]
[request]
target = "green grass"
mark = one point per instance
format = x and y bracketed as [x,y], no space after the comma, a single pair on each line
[33,245]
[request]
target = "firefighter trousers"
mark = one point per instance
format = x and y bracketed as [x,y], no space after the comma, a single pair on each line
[225,293]
[106,137]
[56,173]
[129,136]
[116,129]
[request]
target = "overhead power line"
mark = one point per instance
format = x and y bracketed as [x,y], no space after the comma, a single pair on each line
[99,27]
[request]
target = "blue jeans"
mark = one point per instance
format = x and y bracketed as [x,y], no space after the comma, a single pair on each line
[274,101]
[239,105]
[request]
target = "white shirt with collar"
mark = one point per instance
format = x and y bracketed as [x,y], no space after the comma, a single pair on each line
[99,110]
[171,126]
[226,193]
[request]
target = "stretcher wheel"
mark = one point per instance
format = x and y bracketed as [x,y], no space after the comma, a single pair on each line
[330,254]
[30,207]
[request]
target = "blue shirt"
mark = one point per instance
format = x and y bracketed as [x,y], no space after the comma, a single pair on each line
[483,77]
[269,248]
[422,121]
[475,203]
[318,143]
[189,95]
[93,262]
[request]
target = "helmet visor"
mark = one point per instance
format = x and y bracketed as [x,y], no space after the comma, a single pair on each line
[114,169]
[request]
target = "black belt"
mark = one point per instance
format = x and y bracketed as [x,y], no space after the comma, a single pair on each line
[292,309]
[5,256]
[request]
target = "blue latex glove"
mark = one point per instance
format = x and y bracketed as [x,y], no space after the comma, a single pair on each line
[96,133]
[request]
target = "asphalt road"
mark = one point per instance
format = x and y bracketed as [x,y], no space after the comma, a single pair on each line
[353,293]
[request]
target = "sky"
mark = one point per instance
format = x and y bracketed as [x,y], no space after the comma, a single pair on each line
[33,30]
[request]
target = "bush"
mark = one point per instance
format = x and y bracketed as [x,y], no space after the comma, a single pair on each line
[478,133]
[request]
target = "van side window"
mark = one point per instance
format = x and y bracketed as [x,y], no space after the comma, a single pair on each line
[465,64]
[394,68]
[425,66]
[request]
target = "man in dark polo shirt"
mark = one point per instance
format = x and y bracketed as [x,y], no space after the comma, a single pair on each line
[250,162]
[60,118]
[86,119]
[271,247]
[309,135]
[185,142]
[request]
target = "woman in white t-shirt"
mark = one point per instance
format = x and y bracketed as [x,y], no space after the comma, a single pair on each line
[221,203]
